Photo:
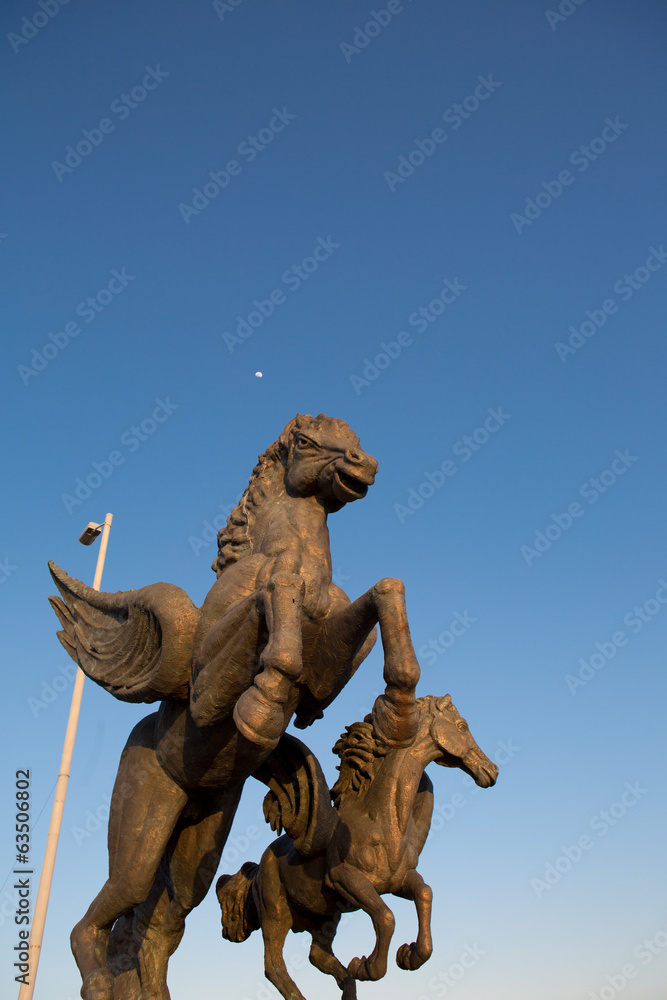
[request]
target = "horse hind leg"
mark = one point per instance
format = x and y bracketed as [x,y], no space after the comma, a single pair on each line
[123,960]
[187,867]
[275,920]
[128,944]
[144,799]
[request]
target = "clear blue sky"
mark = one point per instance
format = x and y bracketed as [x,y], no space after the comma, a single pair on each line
[477,184]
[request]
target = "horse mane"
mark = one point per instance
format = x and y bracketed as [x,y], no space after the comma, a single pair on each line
[360,750]
[235,539]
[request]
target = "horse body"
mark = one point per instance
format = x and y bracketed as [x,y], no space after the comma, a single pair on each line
[379,834]
[383,802]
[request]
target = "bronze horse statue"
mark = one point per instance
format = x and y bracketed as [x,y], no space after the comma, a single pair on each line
[377,827]
[275,638]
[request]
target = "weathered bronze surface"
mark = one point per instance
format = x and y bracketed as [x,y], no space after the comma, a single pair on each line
[275,638]
[371,840]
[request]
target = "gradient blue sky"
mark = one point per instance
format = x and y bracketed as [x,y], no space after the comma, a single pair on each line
[553,87]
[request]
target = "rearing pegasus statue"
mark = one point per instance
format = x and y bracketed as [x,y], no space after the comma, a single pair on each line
[274,639]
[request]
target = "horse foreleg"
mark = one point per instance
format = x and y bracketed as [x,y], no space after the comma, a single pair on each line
[263,711]
[395,713]
[323,958]
[348,637]
[354,887]
[412,956]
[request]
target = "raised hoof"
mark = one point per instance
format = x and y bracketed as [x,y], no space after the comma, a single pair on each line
[260,721]
[408,958]
[358,968]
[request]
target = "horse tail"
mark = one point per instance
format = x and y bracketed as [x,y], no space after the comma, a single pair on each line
[237,902]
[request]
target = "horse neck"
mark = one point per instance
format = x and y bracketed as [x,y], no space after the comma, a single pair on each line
[275,512]
[397,781]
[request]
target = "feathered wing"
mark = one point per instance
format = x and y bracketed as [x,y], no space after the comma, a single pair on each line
[298,799]
[137,644]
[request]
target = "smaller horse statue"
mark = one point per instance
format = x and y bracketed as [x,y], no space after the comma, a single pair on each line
[370,838]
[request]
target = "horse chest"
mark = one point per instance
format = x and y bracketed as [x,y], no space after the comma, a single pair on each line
[382,857]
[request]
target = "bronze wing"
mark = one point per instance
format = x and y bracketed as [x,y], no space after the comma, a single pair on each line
[298,799]
[137,644]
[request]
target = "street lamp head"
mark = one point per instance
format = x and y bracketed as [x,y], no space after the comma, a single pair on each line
[90,533]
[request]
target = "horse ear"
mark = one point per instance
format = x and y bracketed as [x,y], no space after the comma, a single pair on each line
[445,701]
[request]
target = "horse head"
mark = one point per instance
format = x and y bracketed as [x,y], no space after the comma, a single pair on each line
[314,456]
[323,458]
[454,744]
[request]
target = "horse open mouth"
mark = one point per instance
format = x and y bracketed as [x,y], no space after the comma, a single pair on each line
[347,487]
